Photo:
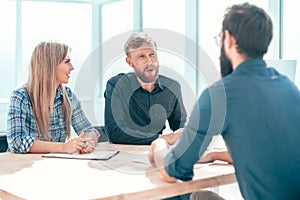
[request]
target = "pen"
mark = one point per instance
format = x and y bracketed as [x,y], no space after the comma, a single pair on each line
[82,151]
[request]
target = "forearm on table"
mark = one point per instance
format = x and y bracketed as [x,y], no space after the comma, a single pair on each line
[46,147]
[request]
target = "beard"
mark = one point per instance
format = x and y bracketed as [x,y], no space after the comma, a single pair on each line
[147,75]
[225,64]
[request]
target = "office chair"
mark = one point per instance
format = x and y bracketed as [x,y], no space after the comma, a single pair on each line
[102,131]
[3,143]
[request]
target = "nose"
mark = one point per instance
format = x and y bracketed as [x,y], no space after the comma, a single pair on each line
[71,67]
[149,60]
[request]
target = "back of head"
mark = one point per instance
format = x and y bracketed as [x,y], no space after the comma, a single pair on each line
[136,40]
[251,27]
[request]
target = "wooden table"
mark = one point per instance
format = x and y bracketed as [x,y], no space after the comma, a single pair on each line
[126,176]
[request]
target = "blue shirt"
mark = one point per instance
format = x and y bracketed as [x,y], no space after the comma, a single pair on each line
[257,111]
[22,127]
[135,116]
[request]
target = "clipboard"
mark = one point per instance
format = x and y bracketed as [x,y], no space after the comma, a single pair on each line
[96,155]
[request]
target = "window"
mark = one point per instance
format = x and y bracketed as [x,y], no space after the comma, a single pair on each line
[25,24]
[290,37]
[166,14]
[166,20]
[7,47]
[210,23]
[56,21]
[84,24]
[7,56]
[116,20]
[117,17]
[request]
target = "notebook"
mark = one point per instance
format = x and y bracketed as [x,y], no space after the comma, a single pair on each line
[96,155]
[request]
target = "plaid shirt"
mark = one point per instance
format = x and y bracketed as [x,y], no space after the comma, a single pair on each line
[22,127]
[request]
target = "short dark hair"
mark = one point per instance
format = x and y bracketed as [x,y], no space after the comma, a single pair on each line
[251,27]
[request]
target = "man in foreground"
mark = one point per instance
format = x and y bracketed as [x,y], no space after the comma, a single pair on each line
[256,109]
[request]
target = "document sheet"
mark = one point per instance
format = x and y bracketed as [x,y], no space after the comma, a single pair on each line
[96,155]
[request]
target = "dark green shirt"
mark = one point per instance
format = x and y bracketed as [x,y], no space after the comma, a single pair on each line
[134,115]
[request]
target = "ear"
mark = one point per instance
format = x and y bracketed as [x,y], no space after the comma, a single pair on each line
[229,40]
[129,62]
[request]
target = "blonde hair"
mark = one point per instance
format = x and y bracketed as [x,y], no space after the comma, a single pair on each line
[41,85]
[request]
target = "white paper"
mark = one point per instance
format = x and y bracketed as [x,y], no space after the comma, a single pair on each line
[142,160]
[200,165]
[96,155]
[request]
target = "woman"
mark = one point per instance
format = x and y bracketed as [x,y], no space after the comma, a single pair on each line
[42,111]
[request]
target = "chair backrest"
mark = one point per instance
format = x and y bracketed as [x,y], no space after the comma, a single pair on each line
[3,143]
[103,135]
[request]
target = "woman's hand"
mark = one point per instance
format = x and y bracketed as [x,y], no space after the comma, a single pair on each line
[75,145]
[91,141]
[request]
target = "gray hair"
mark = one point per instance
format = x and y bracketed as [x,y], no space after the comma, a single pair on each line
[136,40]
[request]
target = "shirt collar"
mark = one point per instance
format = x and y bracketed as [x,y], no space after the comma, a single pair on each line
[251,64]
[59,93]
[136,85]
[254,62]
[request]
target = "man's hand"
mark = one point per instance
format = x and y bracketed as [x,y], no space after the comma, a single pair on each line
[171,138]
[158,149]
[212,156]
